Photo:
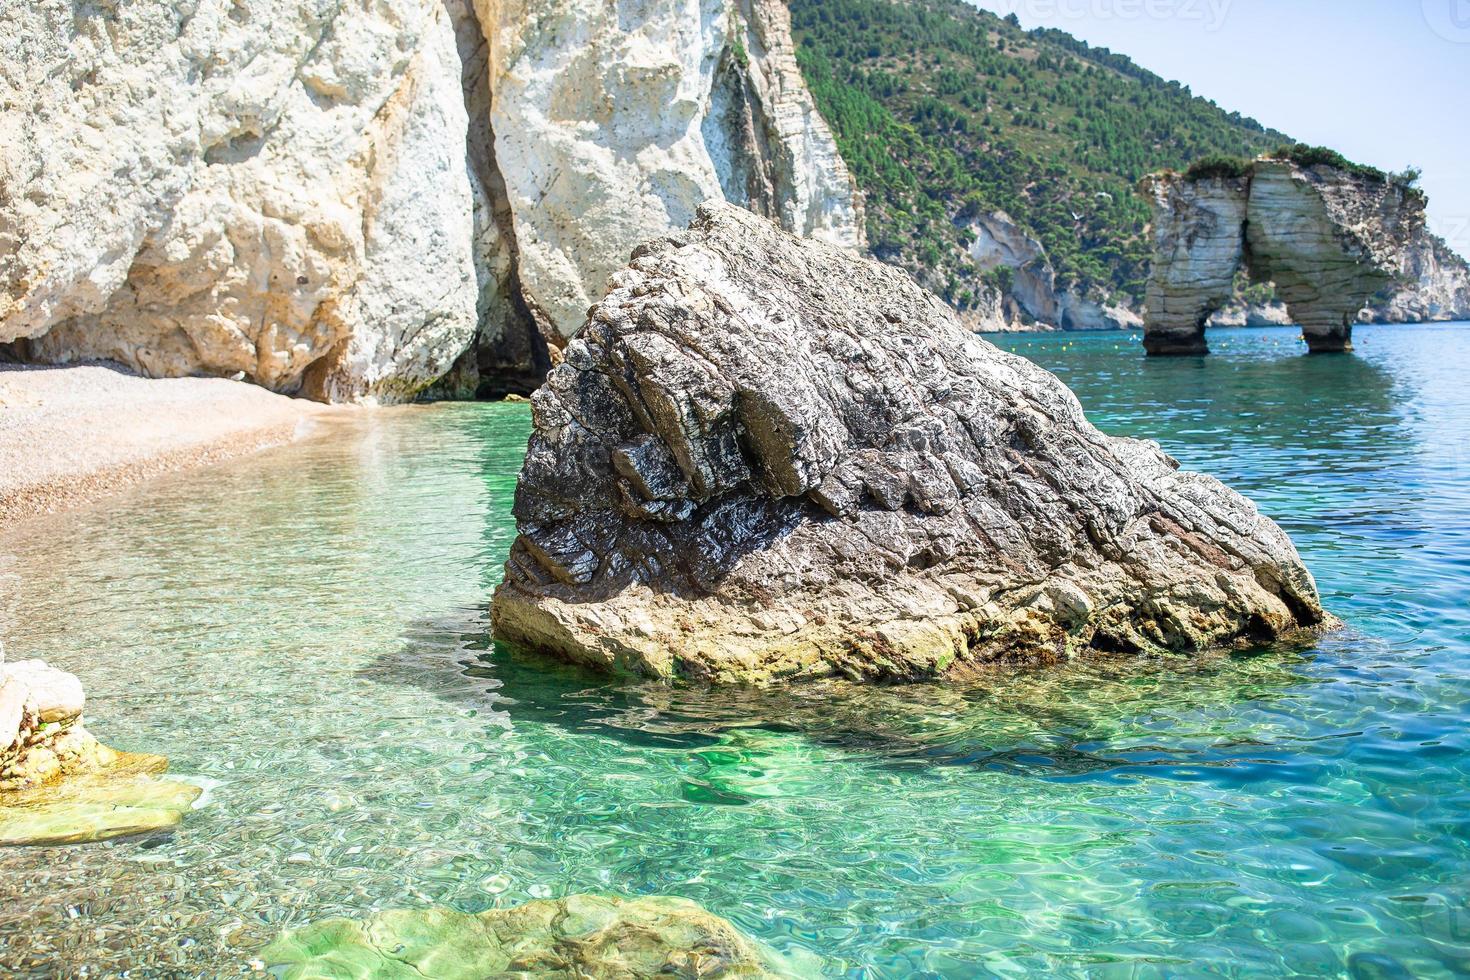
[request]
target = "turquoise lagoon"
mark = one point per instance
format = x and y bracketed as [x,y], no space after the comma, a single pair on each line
[305,634]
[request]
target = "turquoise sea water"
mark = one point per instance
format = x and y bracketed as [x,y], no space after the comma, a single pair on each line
[304,633]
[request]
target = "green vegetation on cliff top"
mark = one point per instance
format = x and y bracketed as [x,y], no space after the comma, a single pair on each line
[942,111]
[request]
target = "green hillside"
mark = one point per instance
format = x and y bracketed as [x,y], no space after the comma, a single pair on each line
[942,110]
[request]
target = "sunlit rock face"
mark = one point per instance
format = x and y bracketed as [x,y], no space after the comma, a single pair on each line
[344,201]
[999,243]
[1328,239]
[765,458]
[275,190]
[58,784]
[614,121]
[1198,246]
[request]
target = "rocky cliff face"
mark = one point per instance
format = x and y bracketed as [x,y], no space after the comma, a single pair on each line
[899,499]
[1328,239]
[999,243]
[1434,284]
[1199,243]
[275,190]
[615,121]
[345,201]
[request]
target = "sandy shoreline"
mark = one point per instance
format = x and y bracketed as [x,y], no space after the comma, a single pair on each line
[70,435]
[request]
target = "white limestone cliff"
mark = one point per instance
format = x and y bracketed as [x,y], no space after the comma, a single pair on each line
[614,121]
[274,190]
[342,200]
[1327,238]
[999,243]
[1434,285]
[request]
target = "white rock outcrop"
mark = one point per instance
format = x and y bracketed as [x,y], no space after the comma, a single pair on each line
[272,189]
[340,200]
[1329,239]
[999,243]
[1199,243]
[1434,285]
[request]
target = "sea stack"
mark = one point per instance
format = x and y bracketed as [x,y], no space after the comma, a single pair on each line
[1327,237]
[765,458]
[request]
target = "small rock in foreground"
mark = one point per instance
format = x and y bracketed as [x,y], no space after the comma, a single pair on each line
[766,458]
[58,784]
[583,936]
[123,797]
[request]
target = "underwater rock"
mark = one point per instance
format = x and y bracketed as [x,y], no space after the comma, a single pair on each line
[767,458]
[583,936]
[60,785]
[118,795]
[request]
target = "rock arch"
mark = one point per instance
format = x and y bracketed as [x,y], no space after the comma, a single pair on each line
[1329,239]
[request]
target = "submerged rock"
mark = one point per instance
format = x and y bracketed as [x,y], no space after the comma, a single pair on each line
[768,458]
[581,936]
[120,794]
[58,784]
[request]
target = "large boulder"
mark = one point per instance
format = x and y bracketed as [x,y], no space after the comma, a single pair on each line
[765,457]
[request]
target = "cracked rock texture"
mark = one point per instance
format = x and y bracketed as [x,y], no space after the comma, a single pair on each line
[1328,239]
[1435,286]
[347,201]
[767,458]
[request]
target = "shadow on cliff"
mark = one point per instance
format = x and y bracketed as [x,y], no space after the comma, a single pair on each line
[1094,719]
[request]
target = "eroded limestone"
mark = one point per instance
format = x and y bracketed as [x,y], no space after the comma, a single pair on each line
[1328,239]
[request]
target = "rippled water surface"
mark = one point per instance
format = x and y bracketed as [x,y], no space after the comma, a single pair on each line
[304,633]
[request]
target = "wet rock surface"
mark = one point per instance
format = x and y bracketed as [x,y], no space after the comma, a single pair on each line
[765,458]
[118,795]
[581,936]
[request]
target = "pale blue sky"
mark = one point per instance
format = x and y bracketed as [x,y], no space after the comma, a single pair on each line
[1386,82]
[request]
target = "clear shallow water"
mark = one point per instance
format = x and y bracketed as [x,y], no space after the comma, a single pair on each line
[304,632]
